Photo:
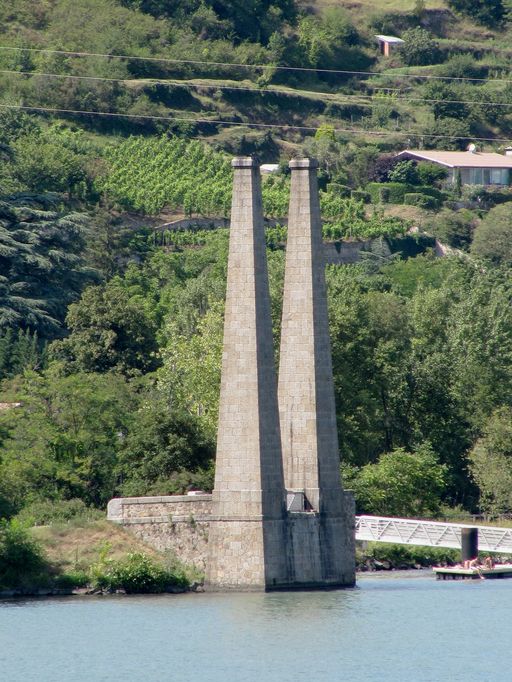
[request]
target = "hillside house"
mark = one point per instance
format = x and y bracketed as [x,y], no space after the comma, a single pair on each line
[475,168]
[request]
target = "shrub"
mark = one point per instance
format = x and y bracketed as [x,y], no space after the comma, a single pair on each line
[419,49]
[462,66]
[487,12]
[338,189]
[136,573]
[45,512]
[430,173]
[22,563]
[401,483]
[431,192]
[493,237]
[388,192]
[361,195]
[404,171]
[420,200]
[454,228]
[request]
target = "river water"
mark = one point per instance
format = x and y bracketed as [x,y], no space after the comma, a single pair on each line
[390,627]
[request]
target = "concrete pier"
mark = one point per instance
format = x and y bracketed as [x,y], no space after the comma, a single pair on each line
[306,391]
[248,533]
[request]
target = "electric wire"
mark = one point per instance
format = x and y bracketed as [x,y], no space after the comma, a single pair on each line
[76,53]
[360,131]
[290,92]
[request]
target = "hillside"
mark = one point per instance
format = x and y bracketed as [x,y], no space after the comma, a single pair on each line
[292,92]
[118,116]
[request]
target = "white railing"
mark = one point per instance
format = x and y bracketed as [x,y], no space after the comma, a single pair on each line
[430,533]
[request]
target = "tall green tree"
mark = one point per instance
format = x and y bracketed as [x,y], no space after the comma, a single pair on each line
[41,264]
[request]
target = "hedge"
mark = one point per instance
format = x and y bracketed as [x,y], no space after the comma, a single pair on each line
[338,189]
[388,192]
[421,200]
[361,195]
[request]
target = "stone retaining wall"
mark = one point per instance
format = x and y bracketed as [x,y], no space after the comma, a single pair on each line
[178,523]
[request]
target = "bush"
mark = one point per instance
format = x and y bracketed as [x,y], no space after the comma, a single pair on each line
[45,512]
[487,12]
[404,171]
[431,192]
[136,573]
[400,484]
[419,49]
[462,66]
[388,192]
[402,556]
[454,228]
[420,200]
[360,195]
[492,239]
[430,173]
[22,563]
[338,189]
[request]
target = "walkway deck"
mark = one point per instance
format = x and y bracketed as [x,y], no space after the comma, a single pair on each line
[430,533]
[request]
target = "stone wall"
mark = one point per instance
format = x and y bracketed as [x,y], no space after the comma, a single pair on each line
[177,523]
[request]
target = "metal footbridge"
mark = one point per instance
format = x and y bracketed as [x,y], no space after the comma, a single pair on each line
[430,533]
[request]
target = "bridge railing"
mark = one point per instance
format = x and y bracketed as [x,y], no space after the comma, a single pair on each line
[430,533]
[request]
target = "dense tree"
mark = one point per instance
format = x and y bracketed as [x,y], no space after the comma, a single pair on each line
[41,264]
[493,236]
[488,12]
[164,449]
[454,228]
[109,331]
[491,463]
[401,483]
[63,442]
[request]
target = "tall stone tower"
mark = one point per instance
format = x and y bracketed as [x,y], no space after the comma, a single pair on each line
[306,392]
[248,530]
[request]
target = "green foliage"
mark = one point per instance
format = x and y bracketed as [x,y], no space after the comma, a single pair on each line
[493,237]
[147,174]
[45,512]
[41,264]
[110,331]
[330,40]
[425,201]
[361,195]
[19,351]
[462,66]
[454,228]
[430,173]
[22,563]
[405,172]
[446,100]
[388,192]
[491,464]
[406,556]
[136,573]
[63,442]
[419,48]
[400,484]
[160,444]
[487,12]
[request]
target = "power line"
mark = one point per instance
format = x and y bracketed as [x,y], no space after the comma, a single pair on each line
[291,92]
[250,66]
[410,133]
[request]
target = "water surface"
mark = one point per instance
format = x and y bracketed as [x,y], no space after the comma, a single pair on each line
[389,628]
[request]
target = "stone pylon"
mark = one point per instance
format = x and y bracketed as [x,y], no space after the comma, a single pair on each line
[248,533]
[306,391]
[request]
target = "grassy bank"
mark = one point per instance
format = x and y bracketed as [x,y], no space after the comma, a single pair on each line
[89,556]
